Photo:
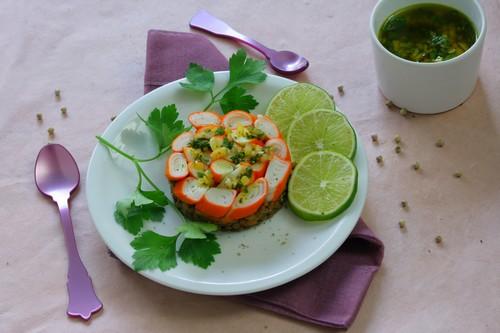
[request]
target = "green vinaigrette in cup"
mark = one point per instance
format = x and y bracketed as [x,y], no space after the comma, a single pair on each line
[427,33]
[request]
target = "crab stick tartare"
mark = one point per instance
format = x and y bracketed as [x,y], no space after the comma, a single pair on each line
[231,170]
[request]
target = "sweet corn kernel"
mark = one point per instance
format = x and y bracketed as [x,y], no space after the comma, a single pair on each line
[245,180]
[215,142]
[219,153]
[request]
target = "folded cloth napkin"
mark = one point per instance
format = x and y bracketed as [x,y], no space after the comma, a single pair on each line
[331,294]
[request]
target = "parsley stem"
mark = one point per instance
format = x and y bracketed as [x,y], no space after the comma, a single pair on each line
[213,98]
[170,202]
[127,156]
[141,171]
[112,147]
[161,152]
[138,168]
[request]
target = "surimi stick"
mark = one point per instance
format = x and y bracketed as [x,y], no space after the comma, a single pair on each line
[204,118]
[279,148]
[176,167]
[182,140]
[247,203]
[189,190]
[235,118]
[267,126]
[277,174]
[216,202]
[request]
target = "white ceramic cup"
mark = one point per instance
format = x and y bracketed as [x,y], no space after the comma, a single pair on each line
[427,87]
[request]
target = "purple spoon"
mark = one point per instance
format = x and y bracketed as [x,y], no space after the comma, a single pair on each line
[56,175]
[284,62]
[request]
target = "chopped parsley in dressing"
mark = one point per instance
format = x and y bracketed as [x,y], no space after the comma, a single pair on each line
[427,33]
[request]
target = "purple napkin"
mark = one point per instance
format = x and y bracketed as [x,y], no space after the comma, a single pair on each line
[331,294]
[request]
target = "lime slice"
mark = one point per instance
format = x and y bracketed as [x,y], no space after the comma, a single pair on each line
[322,186]
[293,101]
[321,130]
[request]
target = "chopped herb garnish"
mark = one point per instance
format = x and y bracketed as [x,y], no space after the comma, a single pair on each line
[397,149]
[248,172]
[403,112]
[397,139]
[226,143]
[380,159]
[340,90]
[416,166]
[255,133]
[219,131]
[39,117]
[404,204]
[238,157]
[402,224]
[51,131]
[64,111]
[457,175]
[201,143]
[57,94]
[374,138]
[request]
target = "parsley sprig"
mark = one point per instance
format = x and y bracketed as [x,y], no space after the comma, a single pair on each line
[197,243]
[242,71]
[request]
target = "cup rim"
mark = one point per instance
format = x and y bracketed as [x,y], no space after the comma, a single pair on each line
[441,63]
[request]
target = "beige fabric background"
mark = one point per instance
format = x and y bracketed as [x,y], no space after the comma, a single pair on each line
[94,51]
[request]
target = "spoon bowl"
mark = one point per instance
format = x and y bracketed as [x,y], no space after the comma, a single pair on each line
[288,62]
[56,171]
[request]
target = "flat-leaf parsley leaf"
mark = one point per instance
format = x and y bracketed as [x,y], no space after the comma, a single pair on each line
[196,230]
[242,70]
[154,251]
[235,99]
[200,79]
[164,125]
[131,213]
[199,252]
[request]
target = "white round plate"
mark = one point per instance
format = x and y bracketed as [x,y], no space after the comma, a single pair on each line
[271,254]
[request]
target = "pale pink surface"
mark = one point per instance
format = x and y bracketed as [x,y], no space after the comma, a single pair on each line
[95,52]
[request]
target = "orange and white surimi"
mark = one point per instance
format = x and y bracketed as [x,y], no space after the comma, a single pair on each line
[182,141]
[235,118]
[189,190]
[216,202]
[247,203]
[176,167]
[277,174]
[220,168]
[267,126]
[279,148]
[204,118]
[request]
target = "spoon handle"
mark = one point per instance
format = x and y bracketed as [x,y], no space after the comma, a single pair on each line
[82,298]
[206,22]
